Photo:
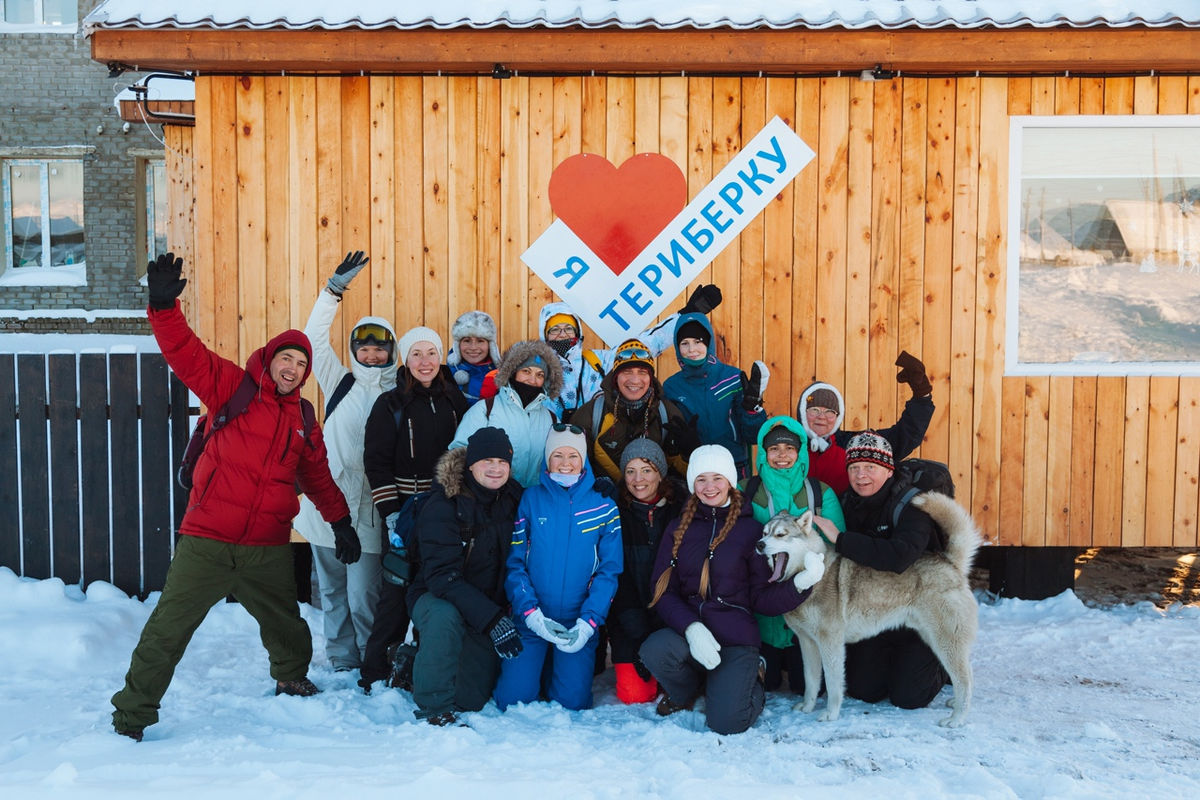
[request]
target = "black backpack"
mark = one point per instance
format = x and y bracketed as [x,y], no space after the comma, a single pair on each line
[236,404]
[400,562]
[917,475]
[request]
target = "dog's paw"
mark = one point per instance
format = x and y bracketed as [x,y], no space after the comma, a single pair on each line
[807,708]
[829,715]
[953,721]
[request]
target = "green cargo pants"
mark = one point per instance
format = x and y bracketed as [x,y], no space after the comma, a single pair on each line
[202,573]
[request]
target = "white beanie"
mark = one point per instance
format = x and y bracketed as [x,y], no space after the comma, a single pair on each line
[711,458]
[419,334]
[566,438]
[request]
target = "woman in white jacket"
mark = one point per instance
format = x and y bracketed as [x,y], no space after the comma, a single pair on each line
[528,381]
[348,592]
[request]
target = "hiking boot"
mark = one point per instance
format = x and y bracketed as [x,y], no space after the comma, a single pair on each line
[401,657]
[132,733]
[666,706]
[302,687]
[443,719]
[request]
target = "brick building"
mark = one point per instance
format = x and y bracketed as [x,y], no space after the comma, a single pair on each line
[70,166]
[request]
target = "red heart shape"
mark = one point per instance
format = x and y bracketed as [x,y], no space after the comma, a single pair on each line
[617,212]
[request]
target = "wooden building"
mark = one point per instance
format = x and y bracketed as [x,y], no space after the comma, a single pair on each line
[430,144]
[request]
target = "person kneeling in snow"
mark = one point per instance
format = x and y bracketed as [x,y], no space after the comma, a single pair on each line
[708,583]
[562,574]
[463,534]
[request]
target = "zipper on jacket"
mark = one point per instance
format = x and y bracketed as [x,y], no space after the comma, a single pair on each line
[412,448]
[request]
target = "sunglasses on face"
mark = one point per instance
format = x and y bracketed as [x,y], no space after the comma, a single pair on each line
[366,333]
[559,427]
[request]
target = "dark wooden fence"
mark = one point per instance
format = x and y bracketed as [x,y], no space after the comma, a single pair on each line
[88,448]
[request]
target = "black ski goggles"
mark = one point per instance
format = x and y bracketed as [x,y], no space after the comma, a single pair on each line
[371,334]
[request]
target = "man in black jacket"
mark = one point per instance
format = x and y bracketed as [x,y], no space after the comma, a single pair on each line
[463,536]
[896,665]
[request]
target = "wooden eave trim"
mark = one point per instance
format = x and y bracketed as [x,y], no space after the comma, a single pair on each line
[165,112]
[1022,50]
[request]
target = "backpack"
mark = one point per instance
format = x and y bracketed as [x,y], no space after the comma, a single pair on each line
[921,475]
[811,484]
[238,402]
[342,389]
[400,562]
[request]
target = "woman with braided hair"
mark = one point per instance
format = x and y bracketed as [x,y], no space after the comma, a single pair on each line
[708,583]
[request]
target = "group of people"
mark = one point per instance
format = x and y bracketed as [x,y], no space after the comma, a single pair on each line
[569,507]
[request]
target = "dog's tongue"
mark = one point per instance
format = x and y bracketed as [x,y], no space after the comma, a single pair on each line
[781,560]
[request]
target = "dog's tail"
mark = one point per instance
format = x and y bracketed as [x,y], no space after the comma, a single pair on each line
[962,535]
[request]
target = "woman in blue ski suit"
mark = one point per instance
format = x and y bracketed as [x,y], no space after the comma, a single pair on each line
[562,574]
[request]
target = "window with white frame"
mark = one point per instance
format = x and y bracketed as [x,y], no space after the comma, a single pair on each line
[43,213]
[1104,246]
[152,209]
[26,14]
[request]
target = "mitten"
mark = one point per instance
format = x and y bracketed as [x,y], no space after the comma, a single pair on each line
[605,486]
[580,634]
[703,299]
[163,281]
[351,265]
[912,372]
[814,569]
[754,387]
[703,645]
[679,438]
[505,638]
[347,548]
[553,632]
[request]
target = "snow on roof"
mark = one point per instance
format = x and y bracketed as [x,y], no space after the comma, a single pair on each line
[629,14]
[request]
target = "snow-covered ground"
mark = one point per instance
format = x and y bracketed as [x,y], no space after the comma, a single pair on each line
[1070,702]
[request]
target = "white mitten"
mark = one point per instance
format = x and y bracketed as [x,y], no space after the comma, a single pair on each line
[814,570]
[704,646]
[553,632]
[582,631]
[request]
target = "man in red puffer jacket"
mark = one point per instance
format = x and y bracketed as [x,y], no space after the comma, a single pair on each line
[234,534]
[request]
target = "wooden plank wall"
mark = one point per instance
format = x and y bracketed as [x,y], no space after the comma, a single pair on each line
[894,237]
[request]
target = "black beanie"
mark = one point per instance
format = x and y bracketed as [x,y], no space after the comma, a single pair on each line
[781,435]
[693,330]
[488,443]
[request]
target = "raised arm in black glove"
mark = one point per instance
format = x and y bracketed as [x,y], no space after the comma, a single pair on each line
[346,549]
[505,638]
[163,281]
[912,372]
[351,265]
[755,386]
[703,299]
[679,438]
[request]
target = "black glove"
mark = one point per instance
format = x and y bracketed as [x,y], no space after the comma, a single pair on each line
[505,638]
[351,265]
[912,372]
[754,386]
[641,670]
[163,281]
[703,299]
[605,486]
[679,438]
[346,549]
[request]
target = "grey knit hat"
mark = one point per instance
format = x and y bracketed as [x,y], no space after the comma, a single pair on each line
[647,450]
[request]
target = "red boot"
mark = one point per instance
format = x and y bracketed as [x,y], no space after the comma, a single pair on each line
[630,686]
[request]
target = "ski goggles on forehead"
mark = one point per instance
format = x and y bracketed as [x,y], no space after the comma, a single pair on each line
[560,427]
[364,334]
[633,354]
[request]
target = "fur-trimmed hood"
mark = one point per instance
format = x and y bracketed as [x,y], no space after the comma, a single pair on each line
[521,352]
[450,469]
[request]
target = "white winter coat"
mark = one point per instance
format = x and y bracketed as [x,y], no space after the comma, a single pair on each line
[344,427]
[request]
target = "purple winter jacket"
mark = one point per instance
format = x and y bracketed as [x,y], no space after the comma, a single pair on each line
[737,578]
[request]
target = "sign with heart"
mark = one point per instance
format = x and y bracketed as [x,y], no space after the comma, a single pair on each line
[625,245]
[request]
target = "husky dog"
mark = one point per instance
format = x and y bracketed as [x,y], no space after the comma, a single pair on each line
[850,602]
